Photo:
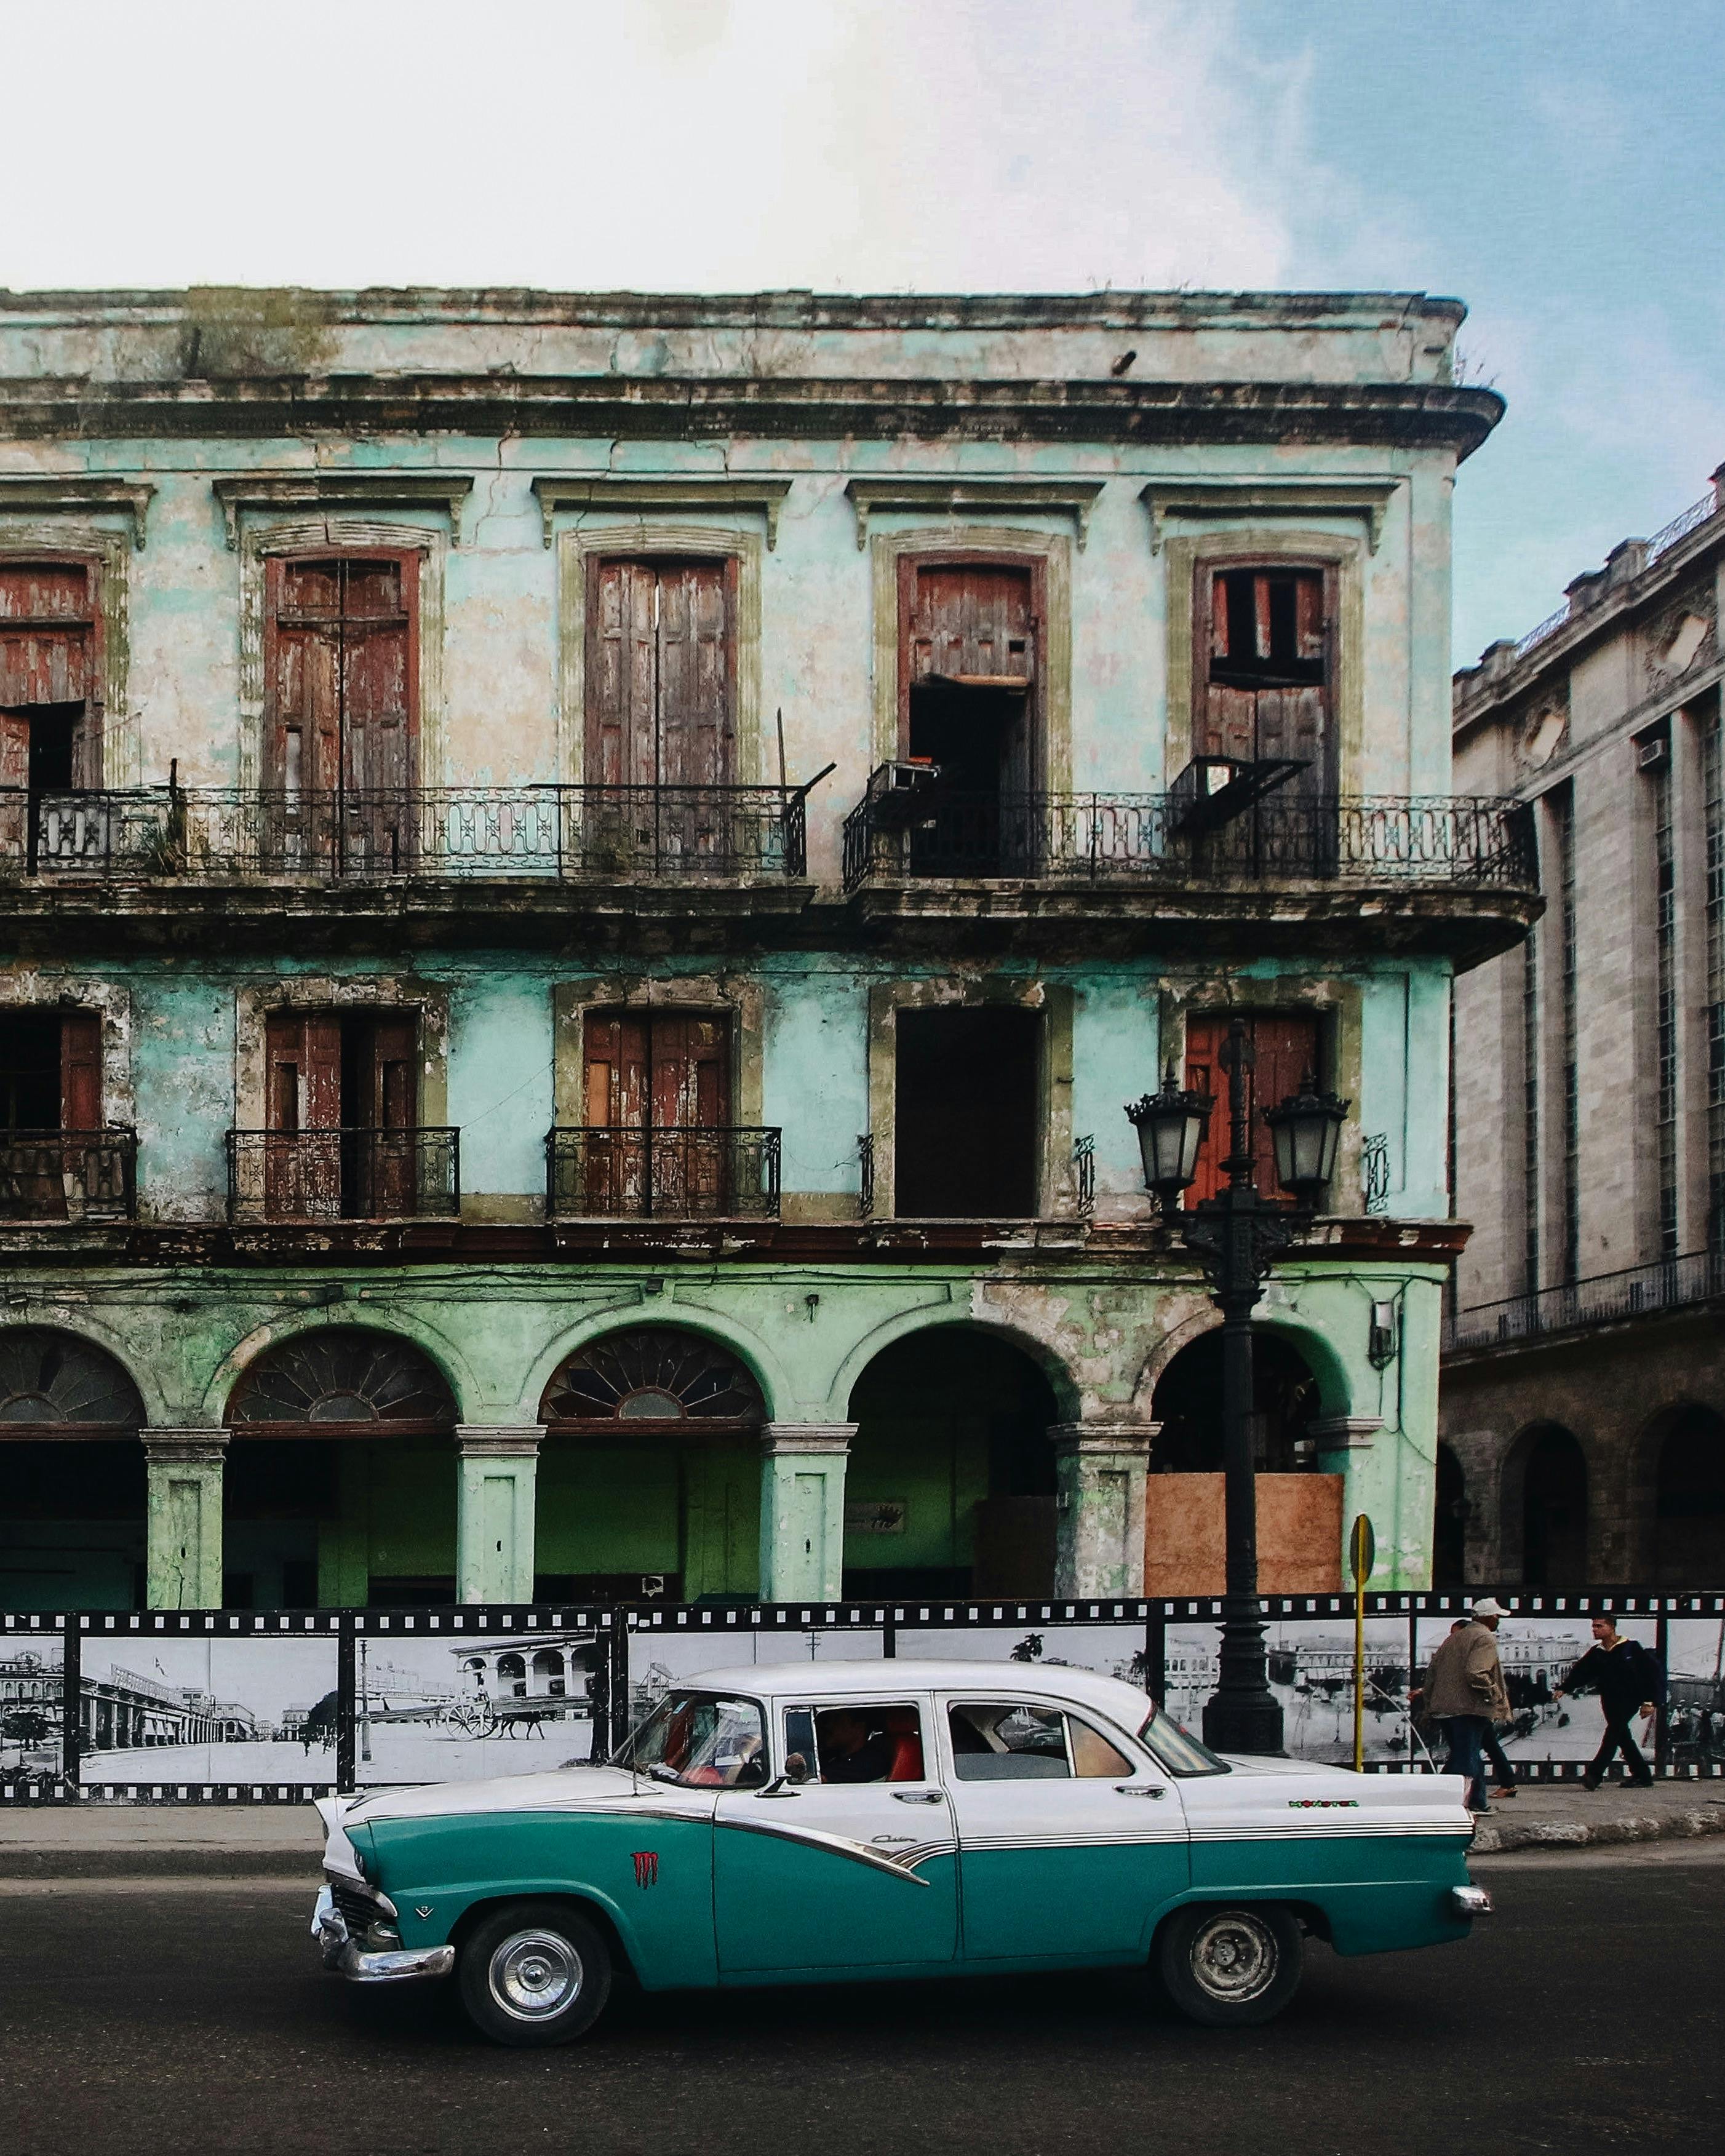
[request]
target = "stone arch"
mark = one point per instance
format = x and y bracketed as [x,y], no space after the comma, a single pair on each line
[53,1380]
[350,1378]
[1449,1539]
[1314,1348]
[653,1375]
[1683,1451]
[1287,1389]
[892,1330]
[1543,1502]
[71,1470]
[775,1388]
[437,1349]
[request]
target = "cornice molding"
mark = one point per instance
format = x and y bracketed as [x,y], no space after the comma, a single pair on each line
[72,494]
[983,496]
[608,490]
[1369,498]
[321,489]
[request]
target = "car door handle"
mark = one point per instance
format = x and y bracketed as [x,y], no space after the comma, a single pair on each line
[919,1796]
[1139,1790]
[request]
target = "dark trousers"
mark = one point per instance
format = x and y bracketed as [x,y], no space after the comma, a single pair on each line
[1498,1758]
[1466,1734]
[1618,1738]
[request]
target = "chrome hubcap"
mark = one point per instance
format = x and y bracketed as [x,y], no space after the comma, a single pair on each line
[534,1974]
[1233,1958]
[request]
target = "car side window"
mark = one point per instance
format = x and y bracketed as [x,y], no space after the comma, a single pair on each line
[1093,1754]
[1004,1740]
[849,1744]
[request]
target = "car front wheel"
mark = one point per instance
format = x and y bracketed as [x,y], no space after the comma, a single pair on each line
[534,1974]
[1229,1968]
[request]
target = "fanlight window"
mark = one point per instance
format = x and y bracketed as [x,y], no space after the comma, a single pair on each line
[55,1377]
[654,1373]
[345,1377]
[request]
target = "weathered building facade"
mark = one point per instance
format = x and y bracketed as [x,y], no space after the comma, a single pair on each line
[1583,1406]
[585,880]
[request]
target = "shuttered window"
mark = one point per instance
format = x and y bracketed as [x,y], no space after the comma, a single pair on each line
[1288,1045]
[660,673]
[968,672]
[1267,684]
[50,1070]
[340,667]
[50,713]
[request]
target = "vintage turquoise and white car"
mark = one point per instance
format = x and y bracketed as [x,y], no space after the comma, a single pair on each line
[826,1822]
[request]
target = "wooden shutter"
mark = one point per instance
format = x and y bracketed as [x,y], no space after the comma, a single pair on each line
[622,674]
[376,674]
[1287,1045]
[15,810]
[694,656]
[1278,625]
[302,1054]
[47,626]
[690,1072]
[972,621]
[303,724]
[81,1071]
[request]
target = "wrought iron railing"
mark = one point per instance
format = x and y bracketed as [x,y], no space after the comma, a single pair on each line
[344,1174]
[1605,1299]
[676,1173]
[1151,838]
[68,1175]
[637,833]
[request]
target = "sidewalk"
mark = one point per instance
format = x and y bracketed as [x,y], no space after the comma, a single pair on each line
[1563,1815]
[252,1841]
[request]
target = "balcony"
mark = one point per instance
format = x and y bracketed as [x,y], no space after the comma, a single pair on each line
[1649,1290]
[649,834]
[343,1175]
[1451,873]
[68,1175]
[666,1174]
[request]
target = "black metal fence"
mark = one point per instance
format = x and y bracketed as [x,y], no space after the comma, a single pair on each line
[639,833]
[226,1706]
[68,1175]
[344,1174]
[1153,837]
[1605,1299]
[678,1173]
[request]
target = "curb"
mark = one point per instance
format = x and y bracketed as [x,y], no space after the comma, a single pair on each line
[1495,1836]
[164,1861]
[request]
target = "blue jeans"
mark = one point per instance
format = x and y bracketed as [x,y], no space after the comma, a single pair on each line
[1466,1737]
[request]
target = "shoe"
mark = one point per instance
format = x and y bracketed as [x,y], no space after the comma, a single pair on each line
[1479,1811]
[1590,1783]
[1641,1781]
[1510,1790]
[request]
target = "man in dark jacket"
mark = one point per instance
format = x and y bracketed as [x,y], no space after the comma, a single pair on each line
[1627,1677]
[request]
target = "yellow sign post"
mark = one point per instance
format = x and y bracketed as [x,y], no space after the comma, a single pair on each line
[1362,1555]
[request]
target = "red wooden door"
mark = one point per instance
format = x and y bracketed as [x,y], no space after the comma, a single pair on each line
[662,689]
[1266,690]
[15,808]
[81,1070]
[971,626]
[1288,1045]
[658,1108]
[302,1172]
[49,640]
[383,1110]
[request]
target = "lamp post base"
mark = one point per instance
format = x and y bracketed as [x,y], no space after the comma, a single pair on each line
[1248,1722]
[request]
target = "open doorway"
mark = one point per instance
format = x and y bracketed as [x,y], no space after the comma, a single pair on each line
[50,719]
[965,1114]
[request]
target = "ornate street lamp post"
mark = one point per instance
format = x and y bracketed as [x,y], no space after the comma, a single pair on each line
[1236,1237]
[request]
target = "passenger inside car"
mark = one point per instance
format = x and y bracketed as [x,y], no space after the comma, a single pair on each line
[869,1744]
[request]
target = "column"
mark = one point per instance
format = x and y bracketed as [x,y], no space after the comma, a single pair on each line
[1344,1447]
[1100,1475]
[182,1538]
[494,1506]
[802,1510]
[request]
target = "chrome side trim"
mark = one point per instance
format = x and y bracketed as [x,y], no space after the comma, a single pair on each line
[1471,1901]
[341,1955]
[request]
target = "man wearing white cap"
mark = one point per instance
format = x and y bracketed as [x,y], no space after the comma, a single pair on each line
[1465,1690]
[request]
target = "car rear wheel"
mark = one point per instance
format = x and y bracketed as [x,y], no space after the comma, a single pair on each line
[1229,1968]
[534,1973]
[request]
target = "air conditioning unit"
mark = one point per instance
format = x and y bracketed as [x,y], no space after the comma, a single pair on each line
[1653,753]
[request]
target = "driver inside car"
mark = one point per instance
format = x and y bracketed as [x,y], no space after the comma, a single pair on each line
[854,1746]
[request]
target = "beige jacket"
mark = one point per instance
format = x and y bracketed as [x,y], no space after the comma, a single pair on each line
[1467,1677]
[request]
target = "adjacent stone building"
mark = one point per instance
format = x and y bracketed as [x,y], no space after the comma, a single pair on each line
[583,882]
[1584,1376]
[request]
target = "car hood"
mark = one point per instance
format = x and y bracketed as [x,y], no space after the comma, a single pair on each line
[556,1789]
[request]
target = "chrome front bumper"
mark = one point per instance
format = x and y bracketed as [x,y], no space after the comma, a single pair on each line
[329,1927]
[1470,1900]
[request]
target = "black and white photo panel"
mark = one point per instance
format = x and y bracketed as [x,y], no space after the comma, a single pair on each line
[251,1708]
[659,1661]
[1695,1690]
[32,1710]
[1537,1654]
[1105,1650]
[1311,1668]
[446,1708]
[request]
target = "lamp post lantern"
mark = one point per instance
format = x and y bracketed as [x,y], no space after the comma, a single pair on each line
[1236,1237]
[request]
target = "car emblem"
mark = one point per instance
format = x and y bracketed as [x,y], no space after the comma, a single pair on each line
[646,1867]
[421,1909]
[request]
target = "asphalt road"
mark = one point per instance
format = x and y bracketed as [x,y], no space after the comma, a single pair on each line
[144,2017]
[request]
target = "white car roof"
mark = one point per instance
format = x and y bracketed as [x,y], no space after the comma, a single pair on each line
[816,1682]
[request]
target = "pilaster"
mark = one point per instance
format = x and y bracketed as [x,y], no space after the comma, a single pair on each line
[495,1504]
[1100,1475]
[802,1510]
[1345,1447]
[182,1539]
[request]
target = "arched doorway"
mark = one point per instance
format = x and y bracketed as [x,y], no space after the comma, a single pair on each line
[1554,1509]
[1299,1511]
[1449,1528]
[340,1486]
[72,1482]
[950,1488]
[649,1476]
[1689,1512]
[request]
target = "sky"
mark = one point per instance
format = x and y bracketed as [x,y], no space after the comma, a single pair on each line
[1557,164]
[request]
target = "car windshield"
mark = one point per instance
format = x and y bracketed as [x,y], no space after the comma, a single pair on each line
[1178,1749]
[700,1739]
